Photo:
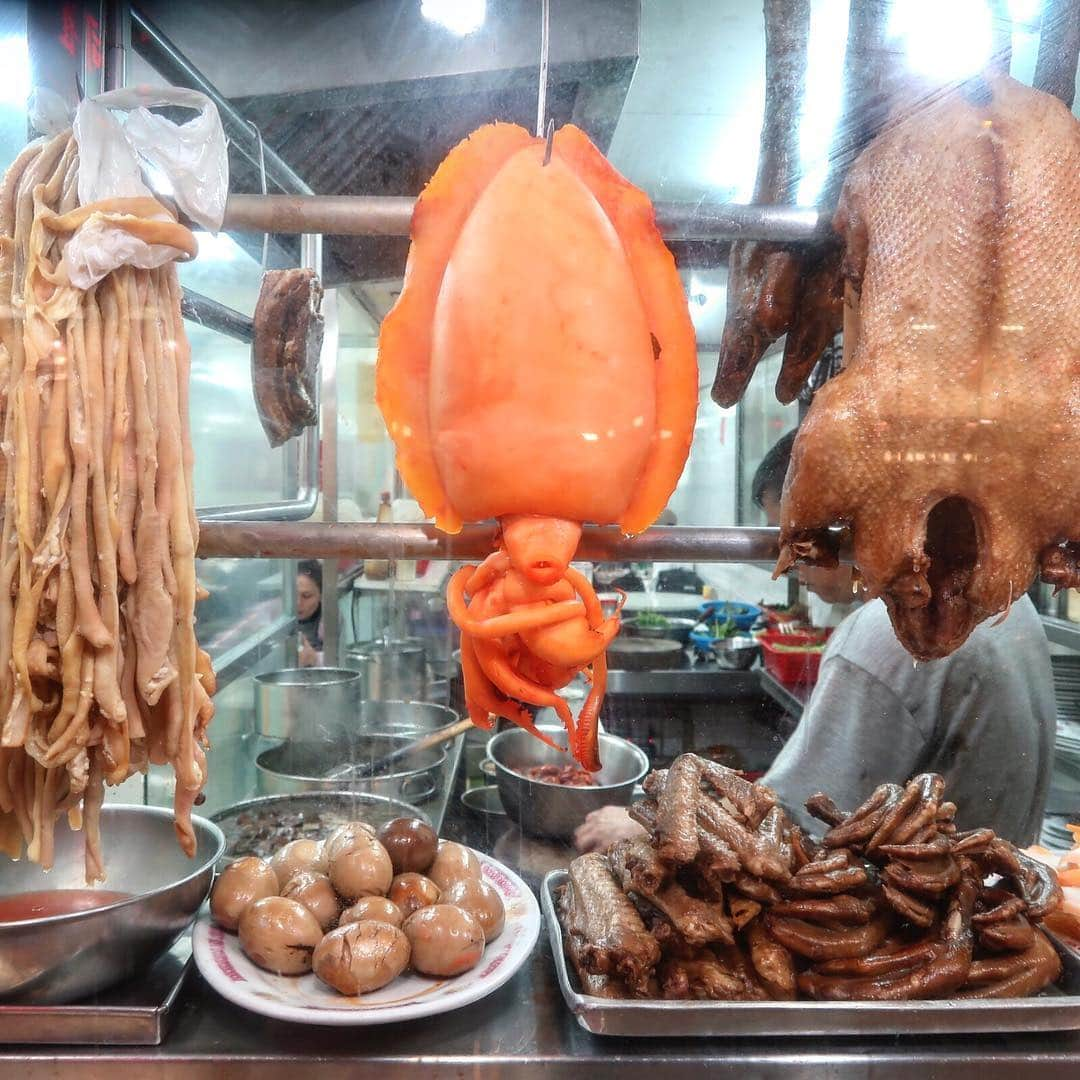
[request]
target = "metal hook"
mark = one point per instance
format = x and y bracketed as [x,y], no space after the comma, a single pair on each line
[549,142]
[541,97]
[262,184]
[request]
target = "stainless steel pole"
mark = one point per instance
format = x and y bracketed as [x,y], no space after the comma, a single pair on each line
[358,540]
[381,215]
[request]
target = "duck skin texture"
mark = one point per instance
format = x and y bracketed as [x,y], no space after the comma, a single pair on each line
[945,443]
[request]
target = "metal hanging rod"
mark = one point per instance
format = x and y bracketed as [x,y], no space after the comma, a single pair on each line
[381,215]
[361,540]
[214,316]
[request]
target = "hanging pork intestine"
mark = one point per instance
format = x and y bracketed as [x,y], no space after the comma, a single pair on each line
[100,673]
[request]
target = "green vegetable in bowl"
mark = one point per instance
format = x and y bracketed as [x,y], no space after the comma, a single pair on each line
[651,620]
[815,648]
[722,630]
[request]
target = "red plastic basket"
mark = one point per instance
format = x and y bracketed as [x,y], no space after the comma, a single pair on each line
[792,668]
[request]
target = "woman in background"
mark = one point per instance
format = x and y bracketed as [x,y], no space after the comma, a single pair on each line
[309,612]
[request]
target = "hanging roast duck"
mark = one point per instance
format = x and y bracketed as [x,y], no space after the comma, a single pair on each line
[538,368]
[950,441]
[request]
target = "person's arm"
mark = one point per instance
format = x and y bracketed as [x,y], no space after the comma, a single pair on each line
[854,734]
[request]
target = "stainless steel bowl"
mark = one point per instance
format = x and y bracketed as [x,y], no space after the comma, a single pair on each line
[736,653]
[261,826]
[483,800]
[297,766]
[676,629]
[61,958]
[554,810]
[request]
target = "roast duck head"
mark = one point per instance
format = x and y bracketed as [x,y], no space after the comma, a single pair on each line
[950,442]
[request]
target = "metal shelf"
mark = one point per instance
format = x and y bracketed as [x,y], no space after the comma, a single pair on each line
[792,699]
[1062,632]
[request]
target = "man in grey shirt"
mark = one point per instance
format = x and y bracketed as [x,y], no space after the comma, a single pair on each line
[984,717]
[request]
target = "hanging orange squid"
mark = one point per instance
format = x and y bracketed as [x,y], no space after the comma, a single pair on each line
[539,368]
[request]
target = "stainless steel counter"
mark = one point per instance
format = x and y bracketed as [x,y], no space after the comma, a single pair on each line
[523,1029]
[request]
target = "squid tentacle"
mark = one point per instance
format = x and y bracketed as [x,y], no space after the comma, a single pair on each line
[498,669]
[497,626]
[493,567]
[585,747]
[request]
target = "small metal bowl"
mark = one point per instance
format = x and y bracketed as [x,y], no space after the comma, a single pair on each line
[676,629]
[556,810]
[736,653]
[61,958]
[484,800]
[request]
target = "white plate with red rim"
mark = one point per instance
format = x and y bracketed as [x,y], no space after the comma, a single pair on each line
[304,999]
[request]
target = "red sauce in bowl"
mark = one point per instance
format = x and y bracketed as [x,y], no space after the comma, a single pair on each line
[48,902]
[567,775]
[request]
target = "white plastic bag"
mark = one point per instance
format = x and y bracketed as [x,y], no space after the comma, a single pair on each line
[48,112]
[191,156]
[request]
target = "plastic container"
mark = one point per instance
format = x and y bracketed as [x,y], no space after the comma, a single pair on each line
[793,668]
[742,615]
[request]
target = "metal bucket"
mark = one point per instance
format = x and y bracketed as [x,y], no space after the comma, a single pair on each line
[391,670]
[298,766]
[306,701]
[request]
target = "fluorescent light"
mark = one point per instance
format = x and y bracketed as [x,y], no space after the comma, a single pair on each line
[1025,11]
[732,164]
[460,17]
[15,65]
[821,102]
[218,247]
[943,41]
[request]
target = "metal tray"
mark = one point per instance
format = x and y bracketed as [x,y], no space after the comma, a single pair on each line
[139,1012]
[1057,1009]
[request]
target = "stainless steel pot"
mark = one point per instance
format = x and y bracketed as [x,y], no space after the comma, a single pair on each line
[400,717]
[554,810]
[306,702]
[61,958]
[391,670]
[297,766]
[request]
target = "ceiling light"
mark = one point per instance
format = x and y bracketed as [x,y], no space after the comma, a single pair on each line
[943,41]
[821,101]
[460,17]
[217,247]
[1025,11]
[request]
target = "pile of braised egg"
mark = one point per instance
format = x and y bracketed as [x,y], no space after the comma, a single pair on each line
[361,906]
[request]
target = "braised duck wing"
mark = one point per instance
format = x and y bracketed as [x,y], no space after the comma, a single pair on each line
[796,289]
[946,442]
[764,279]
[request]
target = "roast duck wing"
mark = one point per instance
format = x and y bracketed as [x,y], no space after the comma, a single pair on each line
[946,442]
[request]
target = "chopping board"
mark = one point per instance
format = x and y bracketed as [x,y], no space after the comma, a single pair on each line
[644,654]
